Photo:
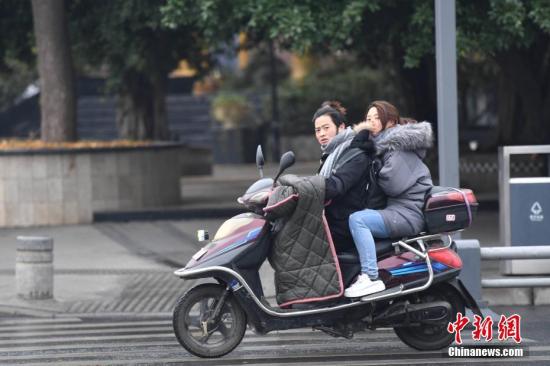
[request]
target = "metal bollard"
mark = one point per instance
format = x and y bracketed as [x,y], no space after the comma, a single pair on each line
[34,268]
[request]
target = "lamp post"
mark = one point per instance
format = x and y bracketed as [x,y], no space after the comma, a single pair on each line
[447,110]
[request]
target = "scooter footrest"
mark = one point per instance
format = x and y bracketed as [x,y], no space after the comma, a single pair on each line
[274,308]
[383,294]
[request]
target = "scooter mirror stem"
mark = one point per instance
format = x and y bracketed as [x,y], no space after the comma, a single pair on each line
[260,160]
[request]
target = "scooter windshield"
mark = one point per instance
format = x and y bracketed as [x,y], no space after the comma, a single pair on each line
[238,224]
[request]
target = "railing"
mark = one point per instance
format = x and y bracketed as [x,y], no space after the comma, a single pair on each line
[526,252]
[470,275]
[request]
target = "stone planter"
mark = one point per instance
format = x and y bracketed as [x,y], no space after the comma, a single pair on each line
[52,187]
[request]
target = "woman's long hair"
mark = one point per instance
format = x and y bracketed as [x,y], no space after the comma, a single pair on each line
[387,113]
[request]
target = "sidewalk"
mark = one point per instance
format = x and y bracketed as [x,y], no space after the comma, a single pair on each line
[92,272]
[109,268]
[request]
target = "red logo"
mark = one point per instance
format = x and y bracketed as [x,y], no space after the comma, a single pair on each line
[457,326]
[508,327]
[483,329]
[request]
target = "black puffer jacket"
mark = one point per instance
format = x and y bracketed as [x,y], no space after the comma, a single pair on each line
[349,189]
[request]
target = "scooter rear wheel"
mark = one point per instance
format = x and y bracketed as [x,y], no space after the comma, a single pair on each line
[202,336]
[432,337]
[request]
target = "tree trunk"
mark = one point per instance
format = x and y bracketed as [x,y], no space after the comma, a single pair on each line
[161,129]
[57,92]
[141,108]
[506,110]
[524,102]
[136,108]
[131,116]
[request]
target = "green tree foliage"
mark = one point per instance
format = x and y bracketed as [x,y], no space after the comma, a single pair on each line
[346,81]
[514,37]
[298,25]
[128,40]
[510,35]
[17,60]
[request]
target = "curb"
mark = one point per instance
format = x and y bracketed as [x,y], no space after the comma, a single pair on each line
[12,310]
[27,311]
[126,316]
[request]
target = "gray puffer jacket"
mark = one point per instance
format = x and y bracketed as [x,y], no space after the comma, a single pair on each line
[404,178]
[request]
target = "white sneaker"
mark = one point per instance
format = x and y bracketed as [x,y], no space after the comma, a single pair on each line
[364,286]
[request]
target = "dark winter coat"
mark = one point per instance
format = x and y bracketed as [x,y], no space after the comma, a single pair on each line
[348,190]
[404,178]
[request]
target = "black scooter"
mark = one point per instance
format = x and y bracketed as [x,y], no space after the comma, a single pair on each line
[422,295]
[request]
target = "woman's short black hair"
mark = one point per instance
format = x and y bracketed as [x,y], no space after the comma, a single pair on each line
[334,110]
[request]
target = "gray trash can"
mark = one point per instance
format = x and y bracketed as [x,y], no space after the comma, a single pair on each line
[529,221]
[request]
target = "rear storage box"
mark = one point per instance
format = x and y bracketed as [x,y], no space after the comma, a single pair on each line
[449,209]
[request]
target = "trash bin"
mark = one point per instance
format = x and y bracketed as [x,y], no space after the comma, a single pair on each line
[529,221]
[530,211]
[524,211]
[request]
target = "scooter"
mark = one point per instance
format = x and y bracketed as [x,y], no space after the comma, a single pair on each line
[422,292]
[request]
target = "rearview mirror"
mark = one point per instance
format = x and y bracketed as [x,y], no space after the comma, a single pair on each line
[287,160]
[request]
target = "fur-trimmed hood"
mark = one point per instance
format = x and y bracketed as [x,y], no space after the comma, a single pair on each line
[416,137]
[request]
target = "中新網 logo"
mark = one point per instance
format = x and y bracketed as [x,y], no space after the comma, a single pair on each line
[508,327]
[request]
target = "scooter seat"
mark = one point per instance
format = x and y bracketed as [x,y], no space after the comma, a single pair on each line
[383,246]
[348,258]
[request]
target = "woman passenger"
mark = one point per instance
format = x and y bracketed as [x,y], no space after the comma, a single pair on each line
[404,178]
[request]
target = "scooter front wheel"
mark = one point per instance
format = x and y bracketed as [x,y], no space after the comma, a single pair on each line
[198,331]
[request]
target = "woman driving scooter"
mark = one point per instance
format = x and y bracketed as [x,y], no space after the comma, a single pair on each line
[404,178]
[345,165]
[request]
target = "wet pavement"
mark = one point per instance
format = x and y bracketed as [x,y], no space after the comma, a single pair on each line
[150,341]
